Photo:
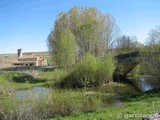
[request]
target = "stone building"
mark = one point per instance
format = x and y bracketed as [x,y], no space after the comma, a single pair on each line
[29,60]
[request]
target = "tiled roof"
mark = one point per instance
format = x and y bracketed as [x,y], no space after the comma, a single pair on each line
[27,58]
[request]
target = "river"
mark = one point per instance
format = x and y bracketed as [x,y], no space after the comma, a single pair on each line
[148,83]
[38,92]
[144,84]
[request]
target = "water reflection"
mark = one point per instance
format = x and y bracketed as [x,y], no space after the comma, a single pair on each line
[118,103]
[147,84]
[37,92]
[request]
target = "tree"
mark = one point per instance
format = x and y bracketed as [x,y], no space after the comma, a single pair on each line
[111,32]
[127,44]
[151,53]
[66,49]
[94,32]
[107,69]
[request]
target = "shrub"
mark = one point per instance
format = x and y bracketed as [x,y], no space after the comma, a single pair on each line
[53,77]
[90,73]
[57,103]
[106,70]
[18,77]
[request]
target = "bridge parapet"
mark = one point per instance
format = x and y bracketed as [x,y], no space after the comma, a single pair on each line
[130,55]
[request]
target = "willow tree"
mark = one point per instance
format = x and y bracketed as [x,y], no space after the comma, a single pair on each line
[94,32]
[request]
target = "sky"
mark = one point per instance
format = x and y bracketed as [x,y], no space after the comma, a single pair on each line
[26,23]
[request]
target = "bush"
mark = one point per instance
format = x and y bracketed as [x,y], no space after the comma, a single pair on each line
[18,77]
[91,72]
[57,103]
[105,72]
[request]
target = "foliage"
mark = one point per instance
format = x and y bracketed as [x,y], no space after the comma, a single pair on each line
[91,71]
[20,77]
[51,61]
[17,77]
[150,54]
[79,104]
[66,49]
[57,103]
[136,72]
[8,86]
[52,77]
[130,108]
[94,32]
[107,68]
[127,44]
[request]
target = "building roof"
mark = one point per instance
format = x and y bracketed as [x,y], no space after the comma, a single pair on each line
[27,58]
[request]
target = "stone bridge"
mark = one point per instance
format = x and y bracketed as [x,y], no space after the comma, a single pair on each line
[126,63]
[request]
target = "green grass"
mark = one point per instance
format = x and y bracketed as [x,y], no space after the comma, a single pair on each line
[7,85]
[57,103]
[76,104]
[83,105]
[53,76]
[46,78]
[130,107]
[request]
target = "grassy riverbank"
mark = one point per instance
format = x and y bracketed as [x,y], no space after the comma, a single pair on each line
[57,103]
[10,81]
[100,103]
[81,105]
[131,108]
[5,86]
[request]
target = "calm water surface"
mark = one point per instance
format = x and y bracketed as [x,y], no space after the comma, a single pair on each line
[37,92]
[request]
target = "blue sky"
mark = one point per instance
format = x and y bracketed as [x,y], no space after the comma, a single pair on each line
[26,23]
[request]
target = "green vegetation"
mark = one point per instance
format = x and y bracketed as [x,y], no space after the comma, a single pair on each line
[91,72]
[66,50]
[51,61]
[96,102]
[93,31]
[150,64]
[82,87]
[11,81]
[58,103]
[131,108]
[126,44]
[17,77]
[136,72]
